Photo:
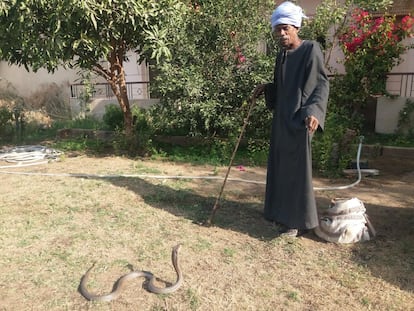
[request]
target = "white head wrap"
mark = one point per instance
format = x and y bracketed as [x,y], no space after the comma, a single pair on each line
[287,13]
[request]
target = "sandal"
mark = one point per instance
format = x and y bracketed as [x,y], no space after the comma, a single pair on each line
[291,232]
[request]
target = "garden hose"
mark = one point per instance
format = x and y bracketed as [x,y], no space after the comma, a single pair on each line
[23,156]
[28,155]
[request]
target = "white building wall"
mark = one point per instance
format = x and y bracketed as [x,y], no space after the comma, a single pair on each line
[28,82]
[407,65]
[136,72]
[387,114]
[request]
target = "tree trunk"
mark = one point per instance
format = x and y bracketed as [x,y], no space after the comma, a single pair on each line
[122,96]
[116,78]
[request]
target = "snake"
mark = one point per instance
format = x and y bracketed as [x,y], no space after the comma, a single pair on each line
[121,282]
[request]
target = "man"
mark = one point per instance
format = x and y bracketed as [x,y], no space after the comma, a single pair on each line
[298,97]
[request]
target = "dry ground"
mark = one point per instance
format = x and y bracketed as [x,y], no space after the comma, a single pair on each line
[54,227]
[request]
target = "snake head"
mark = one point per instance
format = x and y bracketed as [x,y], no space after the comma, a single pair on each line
[177,247]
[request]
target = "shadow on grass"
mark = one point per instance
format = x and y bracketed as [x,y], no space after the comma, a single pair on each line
[241,216]
[389,257]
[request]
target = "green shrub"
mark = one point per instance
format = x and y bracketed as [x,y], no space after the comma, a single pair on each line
[143,130]
[141,141]
[405,126]
[216,66]
[5,120]
[113,117]
[335,147]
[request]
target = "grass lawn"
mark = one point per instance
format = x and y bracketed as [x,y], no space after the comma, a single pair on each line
[54,227]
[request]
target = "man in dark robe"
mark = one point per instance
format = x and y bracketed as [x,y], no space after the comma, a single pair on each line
[298,97]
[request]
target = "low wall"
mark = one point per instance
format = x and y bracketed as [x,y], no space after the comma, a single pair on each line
[97,106]
[374,151]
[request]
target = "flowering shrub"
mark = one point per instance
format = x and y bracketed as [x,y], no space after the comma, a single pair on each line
[372,47]
[234,54]
[215,66]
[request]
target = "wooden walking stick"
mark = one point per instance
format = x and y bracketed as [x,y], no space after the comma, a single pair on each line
[252,101]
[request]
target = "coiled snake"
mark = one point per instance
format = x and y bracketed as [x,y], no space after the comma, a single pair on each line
[120,283]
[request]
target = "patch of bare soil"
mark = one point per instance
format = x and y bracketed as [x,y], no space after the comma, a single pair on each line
[56,222]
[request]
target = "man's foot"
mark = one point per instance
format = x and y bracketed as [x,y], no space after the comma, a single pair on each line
[291,232]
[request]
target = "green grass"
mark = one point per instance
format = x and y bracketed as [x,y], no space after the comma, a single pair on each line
[53,229]
[210,154]
[218,152]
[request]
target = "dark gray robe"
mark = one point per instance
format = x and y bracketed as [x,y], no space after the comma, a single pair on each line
[300,89]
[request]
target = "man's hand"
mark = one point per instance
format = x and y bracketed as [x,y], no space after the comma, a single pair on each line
[311,123]
[259,90]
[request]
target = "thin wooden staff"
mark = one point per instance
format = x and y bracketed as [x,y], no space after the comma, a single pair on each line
[216,206]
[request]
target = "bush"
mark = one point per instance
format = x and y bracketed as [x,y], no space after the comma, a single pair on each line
[5,119]
[405,120]
[140,142]
[113,117]
[336,146]
[203,90]
[215,68]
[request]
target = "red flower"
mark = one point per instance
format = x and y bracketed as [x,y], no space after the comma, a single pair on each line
[359,40]
[350,47]
[407,23]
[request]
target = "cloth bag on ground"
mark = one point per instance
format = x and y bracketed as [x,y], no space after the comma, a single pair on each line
[345,221]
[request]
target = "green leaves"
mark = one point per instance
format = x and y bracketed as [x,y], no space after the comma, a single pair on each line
[372,47]
[214,66]
[93,35]
[84,29]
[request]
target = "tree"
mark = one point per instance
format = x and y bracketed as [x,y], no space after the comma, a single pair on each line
[372,47]
[215,67]
[331,18]
[88,34]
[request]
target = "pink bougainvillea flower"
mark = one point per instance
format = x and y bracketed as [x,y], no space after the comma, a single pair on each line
[241,58]
[240,168]
[407,23]
[374,46]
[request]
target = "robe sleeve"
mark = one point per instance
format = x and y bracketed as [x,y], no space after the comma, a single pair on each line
[271,88]
[270,96]
[316,88]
